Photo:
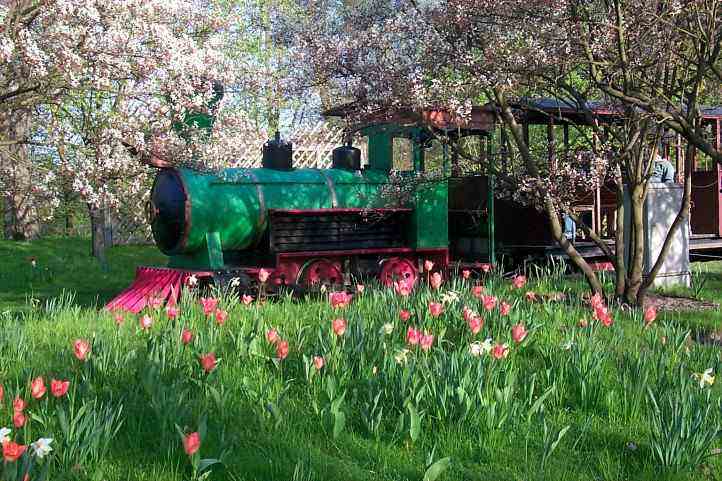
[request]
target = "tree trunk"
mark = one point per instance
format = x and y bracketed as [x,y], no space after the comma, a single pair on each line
[20,216]
[98,245]
[637,251]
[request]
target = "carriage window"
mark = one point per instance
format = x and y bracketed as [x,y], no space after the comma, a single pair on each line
[403,154]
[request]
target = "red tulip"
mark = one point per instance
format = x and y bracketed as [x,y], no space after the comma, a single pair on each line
[413,336]
[518,333]
[146,322]
[192,443]
[466,273]
[402,287]
[436,280]
[477,291]
[282,350]
[59,388]
[209,305]
[596,300]
[82,349]
[489,302]
[607,320]
[475,324]
[263,275]
[339,326]
[404,315]
[500,351]
[19,419]
[428,266]
[12,451]
[37,387]
[221,316]
[246,299]
[171,312]
[518,282]
[339,299]
[650,314]
[272,336]
[2,393]
[505,308]
[435,309]
[19,404]
[318,362]
[186,336]
[208,362]
[426,341]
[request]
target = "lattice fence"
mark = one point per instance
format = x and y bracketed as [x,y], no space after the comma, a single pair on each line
[312,146]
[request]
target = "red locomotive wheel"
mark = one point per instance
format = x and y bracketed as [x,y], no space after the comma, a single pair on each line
[321,272]
[397,268]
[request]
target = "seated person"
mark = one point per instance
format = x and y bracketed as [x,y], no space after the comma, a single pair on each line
[662,170]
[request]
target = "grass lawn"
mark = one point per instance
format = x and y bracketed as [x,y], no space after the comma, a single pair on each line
[566,403]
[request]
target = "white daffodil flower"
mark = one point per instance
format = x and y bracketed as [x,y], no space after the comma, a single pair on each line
[449,297]
[235,282]
[476,349]
[387,328]
[5,435]
[487,345]
[192,280]
[705,378]
[401,356]
[41,447]
[567,346]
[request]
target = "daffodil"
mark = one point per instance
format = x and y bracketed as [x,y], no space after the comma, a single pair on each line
[705,378]
[387,328]
[401,356]
[5,435]
[449,297]
[41,447]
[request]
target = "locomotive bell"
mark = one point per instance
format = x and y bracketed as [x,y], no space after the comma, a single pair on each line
[277,154]
[346,157]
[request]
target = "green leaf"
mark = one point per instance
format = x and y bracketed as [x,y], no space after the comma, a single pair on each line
[436,469]
[415,427]
[339,423]
[204,464]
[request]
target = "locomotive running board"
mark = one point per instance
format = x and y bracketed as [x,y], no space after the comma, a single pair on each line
[156,283]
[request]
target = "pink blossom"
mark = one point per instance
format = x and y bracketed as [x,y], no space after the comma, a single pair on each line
[318,362]
[475,324]
[530,296]
[436,280]
[221,316]
[171,311]
[404,315]
[650,314]
[489,302]
[246,299]
[465,274]
[428,265]
[402,287]
[263,275]
[360,288]
[478,291]
[486,268]
[146,322]
[272,336]
[504,308]
[500,351]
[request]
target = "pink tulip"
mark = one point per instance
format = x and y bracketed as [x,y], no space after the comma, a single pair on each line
[486,268]
[209,305]
[413,336]
[426,341]
[246,299]
[504,308]
[272,336]
[435,309]
[478,291]
[318,362]
[208,362]
[338,326]
[402,288]
[436,280]
[518,282]
[518,333]
[263,275]
[81,348]
[192,443]
[489,302]
[339,299]
[530,296]
[146,322]
[475,324]
[404,315]
[650,314]
[282,350]
[360,288]
[468,313]
[37,387]
[155,302]
[596,300]
[500,351]
[466,273]
[186,336]
[221,316]
[171,312]
[428,265]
